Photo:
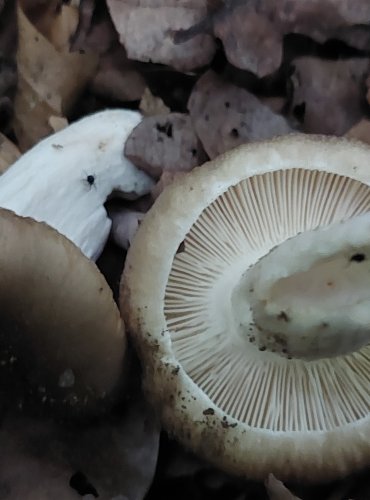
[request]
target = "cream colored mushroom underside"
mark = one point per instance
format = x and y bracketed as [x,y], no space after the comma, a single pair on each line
[186,410]
[258,387]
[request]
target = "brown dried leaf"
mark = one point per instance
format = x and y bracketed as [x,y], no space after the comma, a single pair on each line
[8,153]
[328,95]
[277,491]
[252,32]
[319,19]
[164,142]
[95,31]
[361,131]
[40,12]
[111,459]
[55,21]
[117,78]
[251,41]
[151,105]
[86,11]
[57,123]
[225,116]
[50,82]
[146,31]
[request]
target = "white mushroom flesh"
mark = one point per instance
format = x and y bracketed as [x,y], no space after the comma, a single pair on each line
[66,178]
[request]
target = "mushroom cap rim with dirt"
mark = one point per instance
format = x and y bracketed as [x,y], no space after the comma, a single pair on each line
[62,339]
[185,408]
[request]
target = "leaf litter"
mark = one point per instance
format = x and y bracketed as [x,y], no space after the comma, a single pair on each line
[207,76]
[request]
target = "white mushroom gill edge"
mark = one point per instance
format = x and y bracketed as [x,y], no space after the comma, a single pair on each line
[310,295]
[66,178]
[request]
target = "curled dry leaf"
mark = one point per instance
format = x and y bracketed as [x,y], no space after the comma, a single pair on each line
[57,123]
[250,39]
[328,96]
[361,131]
[117,78]
[319,19]
[225,116]
[164,142]
[8,69]
[8,153]
[49,83]
[277,491]
[252,32]
[111,459]
[95,31]
[151,105]
[55,21]
[41,13]
[146,29]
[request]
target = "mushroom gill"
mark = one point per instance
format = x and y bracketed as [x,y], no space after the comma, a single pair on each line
[225,384]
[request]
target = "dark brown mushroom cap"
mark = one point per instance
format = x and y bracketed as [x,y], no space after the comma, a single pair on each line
[247,409]
[62,341]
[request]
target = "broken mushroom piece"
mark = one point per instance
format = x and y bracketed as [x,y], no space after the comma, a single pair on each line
[66,178]
[245,406]
[62,341]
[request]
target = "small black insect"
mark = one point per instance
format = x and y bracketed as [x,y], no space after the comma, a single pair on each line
[90,179]
[358,257]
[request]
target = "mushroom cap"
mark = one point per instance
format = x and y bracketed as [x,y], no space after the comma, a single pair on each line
[62,340]
[249,411]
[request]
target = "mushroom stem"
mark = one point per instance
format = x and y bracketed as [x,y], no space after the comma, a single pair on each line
[310,296]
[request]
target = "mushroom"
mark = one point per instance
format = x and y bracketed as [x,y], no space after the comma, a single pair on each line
[66,178]
[248,407]
[62,341]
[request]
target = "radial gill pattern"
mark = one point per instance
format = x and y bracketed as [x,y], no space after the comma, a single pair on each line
[262,389]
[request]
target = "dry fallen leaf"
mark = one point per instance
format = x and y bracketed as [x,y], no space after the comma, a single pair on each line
[252,32]
[95,31]
[116,77]
[277,491]
[50,82]
[8,153]
[225,116]
[328,96]
[164,142]
[57,123]
[250,39]
[116,458]
[146,30]
[151,105]
[360,131]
